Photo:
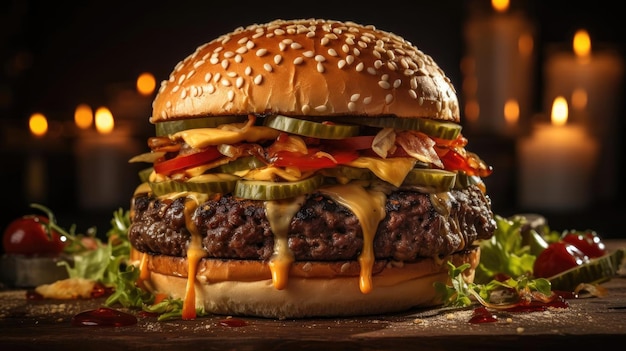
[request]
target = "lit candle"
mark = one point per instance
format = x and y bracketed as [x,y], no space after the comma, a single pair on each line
[36,187]
[102,163]
[591,81]
[556,164]
[498,71]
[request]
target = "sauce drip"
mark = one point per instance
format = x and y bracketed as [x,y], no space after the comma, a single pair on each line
[232,322]
[369,208]
[279,213]
[194,255]
[482,315]
[104,317]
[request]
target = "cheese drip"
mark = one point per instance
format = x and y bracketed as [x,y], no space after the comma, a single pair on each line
[279,214]
[369,208]
[195,253]
[144,272]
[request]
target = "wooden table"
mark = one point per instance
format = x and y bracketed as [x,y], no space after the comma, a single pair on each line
[588,322]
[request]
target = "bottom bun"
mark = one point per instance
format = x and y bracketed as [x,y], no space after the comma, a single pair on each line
[245,288]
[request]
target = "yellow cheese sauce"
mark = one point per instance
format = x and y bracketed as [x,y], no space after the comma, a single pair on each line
[279,214]
[195,253]
[369,207]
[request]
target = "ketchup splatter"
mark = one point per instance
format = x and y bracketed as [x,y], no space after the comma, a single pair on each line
[535,306]
[482,315]
[232,322]
[104,317]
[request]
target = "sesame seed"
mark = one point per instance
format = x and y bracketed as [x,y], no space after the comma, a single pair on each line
[371,70]
[341,63]
[181,79]
[183,94]
[321,108]
[351,106]
[320,67]
[229,54]
[350,41]
[356,52]
[217,77]
[308,54]
[267,67]
[282,46]
[238,58]
[332,52]
[225,64]
[239,82]
[360,67]
[198,63]
[388,98]
[295,46]
[350,59]
[231,95]
[241,50]
[413,83]
[324,41]
[378,64]
[190,73]
[412,93]
[320,58]
[247,71]
[231,74]
[176,88]
[367,100]
[306,109]
[168,104]
[261,52]
[298,60]
[211,88]
[397,83]
[384,84]
[258,79]
[355,97]
[278,59]
[345,48]
[225,82]
[214,60]
[250,45]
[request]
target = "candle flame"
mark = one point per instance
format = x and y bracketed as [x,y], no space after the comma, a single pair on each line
[582,44]
[500,5]
[38,124]
[511,111]
[83,116]
[104,120]
[559,111]
[146,83]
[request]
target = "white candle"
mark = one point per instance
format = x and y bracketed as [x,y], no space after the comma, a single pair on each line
[591,81]
[103,170]
[556,167]
[498,72]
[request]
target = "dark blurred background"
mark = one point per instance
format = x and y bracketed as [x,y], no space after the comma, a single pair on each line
[55,57]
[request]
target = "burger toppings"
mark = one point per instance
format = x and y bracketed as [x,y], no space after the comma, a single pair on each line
[304,143]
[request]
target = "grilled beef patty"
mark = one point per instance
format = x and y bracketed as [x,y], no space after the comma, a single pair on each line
[322,230]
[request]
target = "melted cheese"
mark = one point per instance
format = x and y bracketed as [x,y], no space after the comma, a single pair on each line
[391,170]
[369,208]
[279,214]
[203,137]
[195,253]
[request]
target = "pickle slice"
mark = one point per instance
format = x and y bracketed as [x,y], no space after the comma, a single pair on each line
[211,183]
[311,128]
[437,180]
[347,173]
[597,270]
[267,190]
[438,129]
[171,127]
[241,164]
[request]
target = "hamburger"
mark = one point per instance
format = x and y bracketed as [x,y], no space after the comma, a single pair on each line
[307,168]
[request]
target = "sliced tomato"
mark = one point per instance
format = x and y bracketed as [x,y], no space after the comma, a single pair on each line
[315,159]
[181,162]
[470,164]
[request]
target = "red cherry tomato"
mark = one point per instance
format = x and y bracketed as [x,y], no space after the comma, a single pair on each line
[558,257]
[588,242]
[27,235]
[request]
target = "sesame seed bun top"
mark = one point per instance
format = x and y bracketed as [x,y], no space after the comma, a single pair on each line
[309,67]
